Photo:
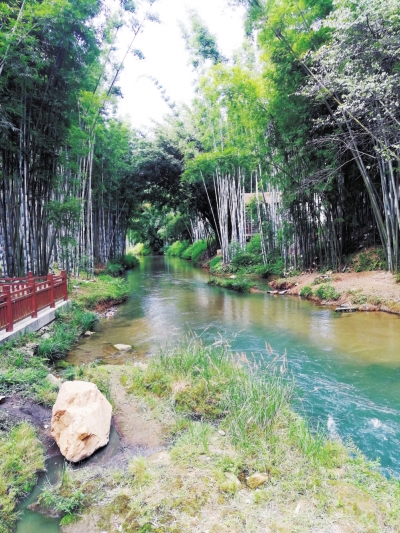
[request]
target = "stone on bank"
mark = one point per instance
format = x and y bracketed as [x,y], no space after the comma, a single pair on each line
[81,420]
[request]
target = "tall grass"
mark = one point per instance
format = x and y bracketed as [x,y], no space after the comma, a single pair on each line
[21,457]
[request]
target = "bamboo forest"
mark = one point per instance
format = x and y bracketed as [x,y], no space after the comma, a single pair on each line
[199,266]
[305,117]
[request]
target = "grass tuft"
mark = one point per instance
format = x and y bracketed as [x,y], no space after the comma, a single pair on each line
[238,284]
[21,457]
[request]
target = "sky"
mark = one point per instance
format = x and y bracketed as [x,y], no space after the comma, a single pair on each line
[167,60]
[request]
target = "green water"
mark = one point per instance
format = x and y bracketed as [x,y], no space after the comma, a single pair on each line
[346,366]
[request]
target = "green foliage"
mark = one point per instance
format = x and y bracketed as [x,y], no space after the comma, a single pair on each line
[114,269]
[21,457]
[372,259]
[141,249]
[327,292]
[130,261]
[195,251]
[306,291]
[64,499]
[215,263]
[238,284]
[177,248]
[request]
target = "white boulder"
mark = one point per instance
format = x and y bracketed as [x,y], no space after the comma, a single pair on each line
[81,420]
[123,347]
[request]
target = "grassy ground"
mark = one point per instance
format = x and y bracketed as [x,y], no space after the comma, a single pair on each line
[105,290]
[239,459]
[21,457]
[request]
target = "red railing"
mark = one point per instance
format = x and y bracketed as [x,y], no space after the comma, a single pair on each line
[24,297]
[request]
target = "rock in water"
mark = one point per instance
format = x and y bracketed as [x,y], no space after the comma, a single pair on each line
[81,420]
[123,347]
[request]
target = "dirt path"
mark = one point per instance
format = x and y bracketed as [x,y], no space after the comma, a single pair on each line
[134,425]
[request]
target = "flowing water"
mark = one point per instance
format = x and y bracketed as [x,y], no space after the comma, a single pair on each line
[346,366]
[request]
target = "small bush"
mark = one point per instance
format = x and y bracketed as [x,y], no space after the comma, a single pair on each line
[215,262]
[306,291]
[195,251]
[244,260]
[130,261]
[114,269]
[327,292]
[177,248]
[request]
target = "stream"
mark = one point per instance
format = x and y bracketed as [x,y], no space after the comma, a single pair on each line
[346,366]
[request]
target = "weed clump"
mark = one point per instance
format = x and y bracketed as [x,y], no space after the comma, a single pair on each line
[327,292]
[238,285]
[306,291]
[21,457]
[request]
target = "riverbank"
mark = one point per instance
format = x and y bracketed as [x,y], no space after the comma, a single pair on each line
[30,372]
[369,291]
[218,448]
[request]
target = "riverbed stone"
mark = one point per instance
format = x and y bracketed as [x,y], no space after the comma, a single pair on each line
[54,380]
[81,420]
[123,347]
[256,480]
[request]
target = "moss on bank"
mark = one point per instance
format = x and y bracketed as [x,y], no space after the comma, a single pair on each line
[239,458]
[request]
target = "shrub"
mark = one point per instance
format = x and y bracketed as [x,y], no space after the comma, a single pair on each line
[244,260]
[195,251]
[327,292]
[177,248]
[215,262]
[114,269]
[306,291]
[254,246]
[129,261]
[372,259]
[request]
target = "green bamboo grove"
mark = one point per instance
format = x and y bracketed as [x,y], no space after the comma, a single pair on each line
[295,138]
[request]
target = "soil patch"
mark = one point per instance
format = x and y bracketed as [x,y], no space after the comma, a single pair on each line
[370,291]
[135,426]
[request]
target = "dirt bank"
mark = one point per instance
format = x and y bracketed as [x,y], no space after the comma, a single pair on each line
[369,291]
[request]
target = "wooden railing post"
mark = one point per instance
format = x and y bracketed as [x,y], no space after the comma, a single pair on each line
[9,309]
[50,281]
[30,275]
[32,286]
[65,284]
